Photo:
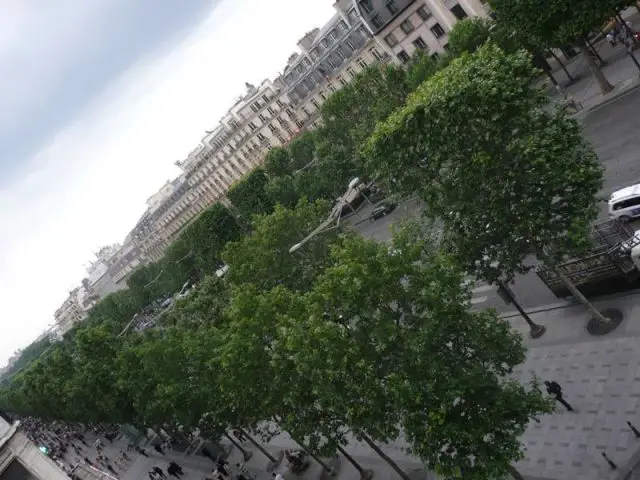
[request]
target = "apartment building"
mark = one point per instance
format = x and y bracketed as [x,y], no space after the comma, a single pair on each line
[72,310]
[404,26]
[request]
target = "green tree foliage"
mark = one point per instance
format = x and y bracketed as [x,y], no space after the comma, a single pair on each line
[468,35]
[28,355]
[249,196]
[363,344]
[420,67]
[277,163]
[558,22]
[263,258]
[301,149]
[481,118]
[282,190]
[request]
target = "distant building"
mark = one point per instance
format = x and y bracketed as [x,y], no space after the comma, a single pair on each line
[21,459]
[72,311]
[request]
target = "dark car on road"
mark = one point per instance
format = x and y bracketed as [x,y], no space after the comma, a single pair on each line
[381,210]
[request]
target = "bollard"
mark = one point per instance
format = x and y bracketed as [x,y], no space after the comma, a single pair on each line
[635,431]
[611,464]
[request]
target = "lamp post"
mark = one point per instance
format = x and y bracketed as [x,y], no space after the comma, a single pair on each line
[535,330]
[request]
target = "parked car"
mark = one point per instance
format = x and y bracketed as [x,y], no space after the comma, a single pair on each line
[624,204]
[381,210]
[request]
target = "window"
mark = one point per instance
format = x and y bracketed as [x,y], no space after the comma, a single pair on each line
[403,56]
[315,104]
[299,68]
[341,80]
[324,42]
[279,103]
[299,123]
[630,202]
[314,53]
[252,126]
[366,6]
[351,72]
[459,12]
[419,43]
[406,26]
[272,128]
[304,110]
[375,54]
[333,35]
[362,63]
[352,16]
[376,21]
[446,47]
[391,6]
[342,25]
[254,107]
[437,31]
[322,95]
[340,54]
[262,118]
[271,111]
[265,98]
[331,62]
[350,46]
[306,61]
[261,137]
[391,40]
[331,87]
[424,13]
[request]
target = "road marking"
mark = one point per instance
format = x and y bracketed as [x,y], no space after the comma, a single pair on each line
[477,300]
[482,288]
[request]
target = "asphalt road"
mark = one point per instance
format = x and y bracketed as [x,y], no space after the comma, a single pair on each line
[614,132]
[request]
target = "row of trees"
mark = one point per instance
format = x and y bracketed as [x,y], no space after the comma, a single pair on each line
[346,335]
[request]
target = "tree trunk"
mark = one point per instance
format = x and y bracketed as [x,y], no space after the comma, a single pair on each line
[515,473]
[363,473]
[603,83]
[562,65]
[322,463]
[580,297]
[258,446]
[236,444]
[385,457]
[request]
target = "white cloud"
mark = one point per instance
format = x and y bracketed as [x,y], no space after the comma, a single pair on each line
[87,187]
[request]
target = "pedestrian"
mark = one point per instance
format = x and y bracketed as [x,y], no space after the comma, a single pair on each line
[141,451]
[278,476]
[158,449]
[152,475]
[124,455]
[244,470]
[177,468]
[159,471]
[554,388]
[222,466]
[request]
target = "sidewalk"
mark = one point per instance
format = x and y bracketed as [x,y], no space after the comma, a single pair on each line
[619,70]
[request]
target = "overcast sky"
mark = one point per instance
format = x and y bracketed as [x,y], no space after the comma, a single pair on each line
[98,99]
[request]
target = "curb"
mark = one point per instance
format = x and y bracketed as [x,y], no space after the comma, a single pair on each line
[570,303]
[612,97]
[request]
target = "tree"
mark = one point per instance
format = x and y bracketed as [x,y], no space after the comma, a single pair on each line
[395,343]
[301,150]
[350,114]
[282,190]
[249,196]
[277,162]
[481,118]
[420,67]
[468,35]
[559,23]
[263,258]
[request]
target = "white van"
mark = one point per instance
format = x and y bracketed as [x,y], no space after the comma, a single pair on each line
[624,204]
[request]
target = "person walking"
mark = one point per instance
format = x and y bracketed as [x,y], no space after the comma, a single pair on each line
[159,472]
[554,388]
[244,470]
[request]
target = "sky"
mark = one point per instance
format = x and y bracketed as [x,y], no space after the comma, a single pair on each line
[98,100]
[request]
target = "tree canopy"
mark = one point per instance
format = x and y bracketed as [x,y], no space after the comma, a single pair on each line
[481,118]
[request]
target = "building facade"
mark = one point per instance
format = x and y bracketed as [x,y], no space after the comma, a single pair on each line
[71,311]
[406,26]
